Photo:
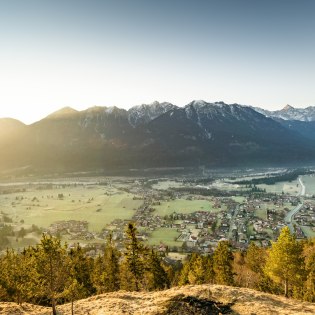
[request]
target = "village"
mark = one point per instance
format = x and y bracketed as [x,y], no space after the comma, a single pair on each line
[243,219]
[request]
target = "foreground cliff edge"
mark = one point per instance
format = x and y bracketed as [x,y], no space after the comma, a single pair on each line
[191,299]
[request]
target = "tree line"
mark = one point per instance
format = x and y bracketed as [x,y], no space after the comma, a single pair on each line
[288,176]
[49,273]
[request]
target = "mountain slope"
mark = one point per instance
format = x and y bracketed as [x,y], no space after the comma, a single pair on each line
[144,113]
[156,135]
[184,300]
[298,120]
[220,133]
[290,113]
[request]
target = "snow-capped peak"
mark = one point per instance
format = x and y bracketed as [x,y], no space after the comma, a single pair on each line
[287,107]
[290,113]
[144,113]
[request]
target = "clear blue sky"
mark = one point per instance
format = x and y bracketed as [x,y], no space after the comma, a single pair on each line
[96,52]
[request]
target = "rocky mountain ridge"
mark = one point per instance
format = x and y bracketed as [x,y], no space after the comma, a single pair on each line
[290,113]
[156,135]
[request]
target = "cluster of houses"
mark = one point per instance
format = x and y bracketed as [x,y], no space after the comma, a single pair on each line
[73,228]
[306,215]
[257,219]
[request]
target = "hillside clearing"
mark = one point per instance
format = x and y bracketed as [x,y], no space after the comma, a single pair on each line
[235,300]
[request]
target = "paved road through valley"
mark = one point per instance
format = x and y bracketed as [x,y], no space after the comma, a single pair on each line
[289,217]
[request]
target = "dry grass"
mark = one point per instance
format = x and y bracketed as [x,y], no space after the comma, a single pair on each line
[242,301]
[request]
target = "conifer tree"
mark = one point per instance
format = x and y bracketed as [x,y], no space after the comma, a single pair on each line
[81,268]
[255,258]
[285,263]
[78,284]
[208,269]
[196,271]
[106,276]
[241,272]
[16,275]
[133,264]
[74,291]
[222,263]
[155,273]
[51,269]
[309,285]
[184,273]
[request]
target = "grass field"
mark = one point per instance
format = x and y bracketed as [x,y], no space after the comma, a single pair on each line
[94,204]
[185,206]
[309,182]
[261,213]
[286,187]
[239,199]
[164,235]
[29,240]
[164,185]
[308,231]
[227,185]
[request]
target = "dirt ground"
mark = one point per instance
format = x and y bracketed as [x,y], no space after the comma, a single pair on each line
[180,300]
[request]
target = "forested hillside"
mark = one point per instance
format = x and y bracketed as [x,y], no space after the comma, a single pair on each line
[51,274]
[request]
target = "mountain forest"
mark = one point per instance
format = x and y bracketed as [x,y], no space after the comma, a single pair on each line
[50,273]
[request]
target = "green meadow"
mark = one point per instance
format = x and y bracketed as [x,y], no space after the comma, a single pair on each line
[95,204]
[166,236]
[185,206]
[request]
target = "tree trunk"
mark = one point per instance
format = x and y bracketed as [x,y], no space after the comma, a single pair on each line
[53,305]
[72,310]
[286,287]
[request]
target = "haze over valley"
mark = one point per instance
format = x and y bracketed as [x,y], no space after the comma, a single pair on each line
[157,135]
[200,202]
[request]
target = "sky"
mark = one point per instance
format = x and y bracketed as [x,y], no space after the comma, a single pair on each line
[57,53]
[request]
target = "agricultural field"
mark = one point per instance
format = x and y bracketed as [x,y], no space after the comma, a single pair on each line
[309,182]
[292,188]
[239,199]
[308,231]
[28,240]
[166,236]
[262,211]
[98,205]
[185,206]
[227,185]
[164,185]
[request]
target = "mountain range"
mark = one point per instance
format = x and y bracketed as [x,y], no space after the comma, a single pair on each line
[159,135]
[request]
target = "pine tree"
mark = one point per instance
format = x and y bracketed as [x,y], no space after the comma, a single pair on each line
[106,276]
[81,268]
[247,267]
[16,275]
[196,272]
[133,264]
[78,284]
[285,262]
[255,258]
[208,269]
[310,281]
[222,263]
[309,284]
[74,291]
[155,273]
[51,269]
[186,269]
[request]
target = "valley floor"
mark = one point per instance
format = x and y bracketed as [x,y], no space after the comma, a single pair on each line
[235,301]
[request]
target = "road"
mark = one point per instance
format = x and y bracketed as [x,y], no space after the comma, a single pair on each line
[289,217]
[302,192]
[229,236]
